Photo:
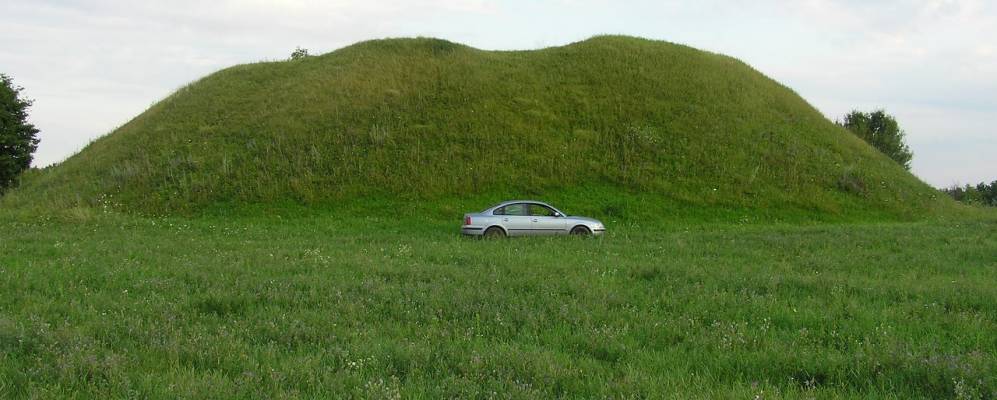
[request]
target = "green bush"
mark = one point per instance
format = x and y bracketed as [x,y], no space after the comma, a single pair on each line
[299,53]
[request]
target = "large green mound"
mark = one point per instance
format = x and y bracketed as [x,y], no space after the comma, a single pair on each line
[429,119]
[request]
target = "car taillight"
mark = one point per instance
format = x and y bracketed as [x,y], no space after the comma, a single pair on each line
[467,220]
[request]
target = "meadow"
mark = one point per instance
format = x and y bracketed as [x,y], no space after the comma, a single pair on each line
[347,305]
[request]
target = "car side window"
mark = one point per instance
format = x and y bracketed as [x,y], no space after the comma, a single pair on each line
[499,211]
[512,209]
[538,210]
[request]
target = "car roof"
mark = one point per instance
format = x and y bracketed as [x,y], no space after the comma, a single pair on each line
[507,202]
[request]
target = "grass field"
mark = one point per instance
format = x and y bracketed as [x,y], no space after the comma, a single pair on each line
[326,305]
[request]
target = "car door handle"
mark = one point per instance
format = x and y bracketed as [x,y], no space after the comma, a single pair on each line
[534,220]
[505,219]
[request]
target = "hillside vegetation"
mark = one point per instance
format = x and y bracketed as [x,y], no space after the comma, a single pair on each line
[427,119]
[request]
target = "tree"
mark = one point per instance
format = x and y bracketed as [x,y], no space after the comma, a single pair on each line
[988,193]
[17,137]
[299,53]
[881,131]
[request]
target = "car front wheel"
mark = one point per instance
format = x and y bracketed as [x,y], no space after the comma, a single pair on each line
[580,231]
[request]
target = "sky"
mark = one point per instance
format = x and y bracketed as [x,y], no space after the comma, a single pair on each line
[92,65]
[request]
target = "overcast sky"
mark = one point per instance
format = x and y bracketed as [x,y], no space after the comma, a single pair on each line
[93,65]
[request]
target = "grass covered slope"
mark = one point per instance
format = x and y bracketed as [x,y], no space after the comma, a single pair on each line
[430,119]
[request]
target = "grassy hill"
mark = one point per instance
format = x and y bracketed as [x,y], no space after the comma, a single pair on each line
[666,126]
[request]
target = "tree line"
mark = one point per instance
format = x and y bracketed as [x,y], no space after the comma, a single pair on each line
[983,194]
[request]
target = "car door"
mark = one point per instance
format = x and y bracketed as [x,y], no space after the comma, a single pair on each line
[544,221]
[515,219]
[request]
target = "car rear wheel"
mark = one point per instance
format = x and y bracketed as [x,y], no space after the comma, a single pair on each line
[580,231]
[494,233]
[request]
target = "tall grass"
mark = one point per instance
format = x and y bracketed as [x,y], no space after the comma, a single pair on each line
[359,305]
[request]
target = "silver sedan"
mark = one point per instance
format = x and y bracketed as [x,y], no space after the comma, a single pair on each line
[527,217]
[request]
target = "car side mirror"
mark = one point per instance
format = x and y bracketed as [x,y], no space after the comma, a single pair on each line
[558,215]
